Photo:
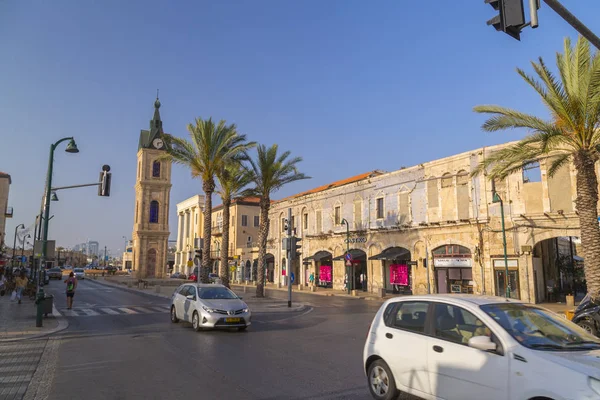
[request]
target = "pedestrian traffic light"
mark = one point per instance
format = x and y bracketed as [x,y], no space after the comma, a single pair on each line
[104,186]
[295,247]
[510,18]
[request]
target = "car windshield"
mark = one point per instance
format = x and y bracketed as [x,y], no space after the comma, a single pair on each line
[215,293]
[539,329]
[55,270]
[78,270]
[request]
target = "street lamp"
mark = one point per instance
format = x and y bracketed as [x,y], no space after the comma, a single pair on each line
[349,278]
[12,261]
[497,199]
[71,148]
[23,248]
[54,197]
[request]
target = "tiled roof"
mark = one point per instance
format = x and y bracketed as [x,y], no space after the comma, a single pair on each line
[335,184]
[5,175]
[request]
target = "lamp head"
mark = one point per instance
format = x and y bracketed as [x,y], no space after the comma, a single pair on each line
[72,147]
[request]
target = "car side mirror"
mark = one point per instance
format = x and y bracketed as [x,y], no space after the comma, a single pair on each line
[240,297]
[190,297]
[482,343]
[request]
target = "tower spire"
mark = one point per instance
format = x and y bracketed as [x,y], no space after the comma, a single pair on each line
[156,123]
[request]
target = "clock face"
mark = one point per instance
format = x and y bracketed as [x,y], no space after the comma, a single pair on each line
[157,143]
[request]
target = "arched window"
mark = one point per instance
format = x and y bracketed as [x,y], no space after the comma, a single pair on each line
[156,169]
[154,212]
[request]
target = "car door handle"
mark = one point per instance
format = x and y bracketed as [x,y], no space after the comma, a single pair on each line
[438,349]
[389,335]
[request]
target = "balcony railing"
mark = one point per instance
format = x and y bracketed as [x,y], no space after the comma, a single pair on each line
[216,254]
[217,230]
[9,212]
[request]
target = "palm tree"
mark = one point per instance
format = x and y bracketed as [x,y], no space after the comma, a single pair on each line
[572,134]
[269,172]
[212,146]
[232,179]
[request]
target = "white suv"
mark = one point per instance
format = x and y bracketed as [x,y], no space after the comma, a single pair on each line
[460,347]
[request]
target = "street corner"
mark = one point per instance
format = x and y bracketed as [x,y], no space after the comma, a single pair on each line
[270,305]
[18,321]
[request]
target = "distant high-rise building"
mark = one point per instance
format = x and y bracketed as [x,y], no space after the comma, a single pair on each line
[93,248]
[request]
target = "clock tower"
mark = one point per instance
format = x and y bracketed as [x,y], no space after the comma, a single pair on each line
[152,192]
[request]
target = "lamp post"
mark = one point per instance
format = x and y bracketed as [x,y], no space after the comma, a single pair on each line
[12,260]
[350,279]
[497,199]
[71,148]
[28,236]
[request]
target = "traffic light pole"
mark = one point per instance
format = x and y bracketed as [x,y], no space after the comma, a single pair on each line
[572,20]
[289,257]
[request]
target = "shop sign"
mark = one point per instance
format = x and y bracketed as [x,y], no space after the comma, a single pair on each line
[452,262]
[511,263]
[356,240]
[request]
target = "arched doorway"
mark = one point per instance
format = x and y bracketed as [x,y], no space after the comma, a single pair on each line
[254,273]
[453,269]
[322,269]
[270,270]
[151,264]
[397,271]
[356,270]
[558,269]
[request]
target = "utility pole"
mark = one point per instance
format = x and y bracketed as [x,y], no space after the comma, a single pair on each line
[104,256]
[497,199]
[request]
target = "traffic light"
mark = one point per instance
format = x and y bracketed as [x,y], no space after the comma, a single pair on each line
[295,247]
[104,186]
[510,18]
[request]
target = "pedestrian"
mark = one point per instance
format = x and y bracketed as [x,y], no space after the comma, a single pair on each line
[311,278]
[21,284]
[71,286]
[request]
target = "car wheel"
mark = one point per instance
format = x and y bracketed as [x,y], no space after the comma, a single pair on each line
[381,381]
[588,326]
[174,318]
[196,321]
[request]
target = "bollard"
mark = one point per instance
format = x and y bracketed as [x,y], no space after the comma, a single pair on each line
[245,287]
[39,317]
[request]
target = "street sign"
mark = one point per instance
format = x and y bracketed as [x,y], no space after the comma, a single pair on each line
[348,263]
[293,277]
[348,257]
[411,263]
[105,258]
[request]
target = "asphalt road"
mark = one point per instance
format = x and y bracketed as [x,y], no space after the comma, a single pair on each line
[122,345]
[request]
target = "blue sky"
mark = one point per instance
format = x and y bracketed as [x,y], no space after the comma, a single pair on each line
[349,85]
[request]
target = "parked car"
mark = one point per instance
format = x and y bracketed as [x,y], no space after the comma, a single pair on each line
[478,347]
[587,315]
[214,278]
[79,273]
[178,275]
[55,273]
[209,306]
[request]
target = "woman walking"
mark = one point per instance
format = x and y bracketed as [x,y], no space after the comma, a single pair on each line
[71,282]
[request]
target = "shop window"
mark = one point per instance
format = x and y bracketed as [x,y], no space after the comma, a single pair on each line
[452,250]
[256,221]
[532,172]
[153,212]
[446,180]
[337,217]
[244,220]
[156,169]
[411,315]
[379,208]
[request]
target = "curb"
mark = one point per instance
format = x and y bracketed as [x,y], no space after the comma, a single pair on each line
[339,296]
[62,325]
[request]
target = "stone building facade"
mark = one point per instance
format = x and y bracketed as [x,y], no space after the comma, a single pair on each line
[430,228]
[190,224]
[5,210]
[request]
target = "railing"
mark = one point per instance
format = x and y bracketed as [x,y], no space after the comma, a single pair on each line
[9,212]
[217,230]
[216,254]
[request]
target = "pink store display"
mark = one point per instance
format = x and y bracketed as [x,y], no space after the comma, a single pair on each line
[325,273]
[399,274]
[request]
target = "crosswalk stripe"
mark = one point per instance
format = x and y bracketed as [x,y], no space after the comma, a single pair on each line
[144,310]
[109,311]
[128,310]
[89,312]
[159,309]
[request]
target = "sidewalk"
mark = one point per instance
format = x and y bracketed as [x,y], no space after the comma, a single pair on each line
[257,305]
[17,321]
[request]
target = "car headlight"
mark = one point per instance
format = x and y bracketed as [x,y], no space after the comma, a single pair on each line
[207,309]
[245,310]
[594,384]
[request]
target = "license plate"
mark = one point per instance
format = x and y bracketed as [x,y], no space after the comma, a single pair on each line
[232,319]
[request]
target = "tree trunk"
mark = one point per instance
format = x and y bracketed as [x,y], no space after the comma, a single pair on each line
[263,234]
[209,188]
[587,203]
[224,267]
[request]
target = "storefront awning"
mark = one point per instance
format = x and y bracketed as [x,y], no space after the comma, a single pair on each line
[577,258]
[392,253]
[318,256]
[355,254]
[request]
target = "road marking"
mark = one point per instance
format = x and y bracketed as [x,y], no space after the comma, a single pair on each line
[160,309]
[89,312]
[144,310]
[109,311]
[128,310]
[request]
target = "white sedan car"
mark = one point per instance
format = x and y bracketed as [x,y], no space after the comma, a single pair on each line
[209,306]
[460,347]
[79,273]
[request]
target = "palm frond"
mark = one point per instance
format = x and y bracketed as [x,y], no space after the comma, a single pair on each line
[557,163]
